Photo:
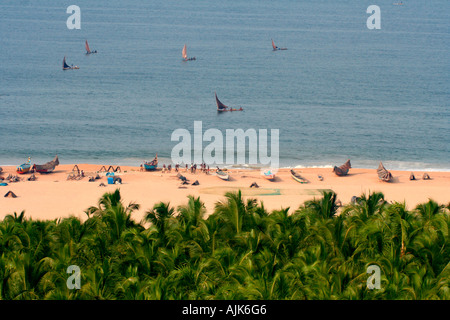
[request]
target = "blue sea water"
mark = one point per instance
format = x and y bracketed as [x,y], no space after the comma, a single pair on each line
[340,90]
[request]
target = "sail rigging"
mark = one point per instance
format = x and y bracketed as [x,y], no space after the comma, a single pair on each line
[184,53]
[88,50]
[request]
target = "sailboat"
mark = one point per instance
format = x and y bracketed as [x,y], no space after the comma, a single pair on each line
[275,48]
[88,50]
[221,107]
[184,55]
[67,67]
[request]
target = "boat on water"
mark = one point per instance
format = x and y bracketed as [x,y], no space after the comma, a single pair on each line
[297,177]
[383,174]
[88,49]
[398,3]
[275,48]
[222,108]
[222,174]
[268,174]
[152,165]
[24,167]
[342,170]
[67,67]
[47,167]
[184,55]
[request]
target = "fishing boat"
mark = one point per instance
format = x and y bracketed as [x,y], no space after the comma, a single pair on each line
[152,165]
[184,55]
[268,174]
[383,174]
[24,167]
[297,177]
[88,50]
[342,170]
[275,48]
[222,174]
[67,67]
[47,167]
[222,108]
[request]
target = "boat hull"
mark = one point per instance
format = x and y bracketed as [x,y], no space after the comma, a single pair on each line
[150,167]
[223,176]
[269,176]
[297,178]
[45,170]
[24,168]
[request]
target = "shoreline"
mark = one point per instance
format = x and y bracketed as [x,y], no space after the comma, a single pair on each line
[52,196]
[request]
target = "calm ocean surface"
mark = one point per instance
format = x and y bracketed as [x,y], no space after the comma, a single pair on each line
[341,90]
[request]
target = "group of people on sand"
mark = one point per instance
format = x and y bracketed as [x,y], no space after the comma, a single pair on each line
[203,167]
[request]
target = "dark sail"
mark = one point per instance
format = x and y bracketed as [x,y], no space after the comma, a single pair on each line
[220,105]
[65,65]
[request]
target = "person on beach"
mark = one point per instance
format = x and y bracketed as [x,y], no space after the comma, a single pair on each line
[169,168]
[164,168]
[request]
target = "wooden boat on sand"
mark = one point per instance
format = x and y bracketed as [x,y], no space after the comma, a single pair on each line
[222,174]
[297,177]
[383,174]
[47,167]
[24,167]
[269,175]
[342,170]
[152,165]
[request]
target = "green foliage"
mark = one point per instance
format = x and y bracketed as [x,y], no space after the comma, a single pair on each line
[240,251]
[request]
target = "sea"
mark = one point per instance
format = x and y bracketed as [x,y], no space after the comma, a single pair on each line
[341,90]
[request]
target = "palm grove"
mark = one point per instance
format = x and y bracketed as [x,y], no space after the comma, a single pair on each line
[240,251]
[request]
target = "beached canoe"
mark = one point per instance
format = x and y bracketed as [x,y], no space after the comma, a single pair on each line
[297,177]
[222,175]
[47,167]
[383,174]
[342,170]
[152,165]
[24,167]
[268,174]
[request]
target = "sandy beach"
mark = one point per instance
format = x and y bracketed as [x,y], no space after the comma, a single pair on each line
[52,196]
